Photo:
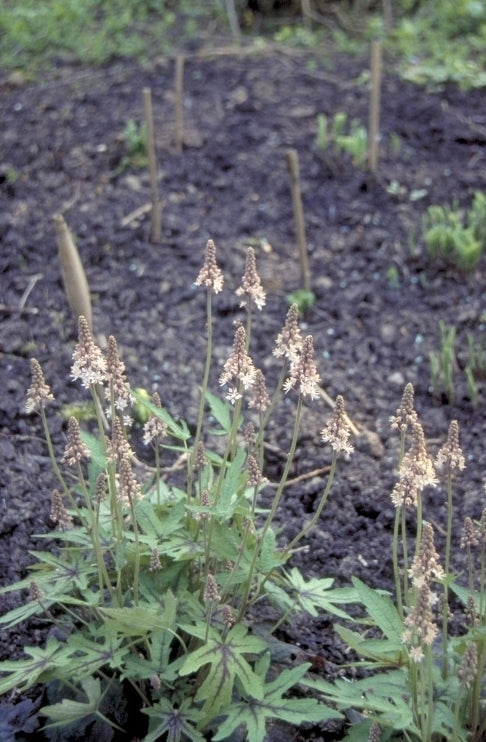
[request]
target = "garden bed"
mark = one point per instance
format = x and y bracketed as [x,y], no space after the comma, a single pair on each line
[65,149]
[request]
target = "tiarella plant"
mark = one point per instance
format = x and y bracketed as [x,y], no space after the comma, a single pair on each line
[424,681]
[160,570]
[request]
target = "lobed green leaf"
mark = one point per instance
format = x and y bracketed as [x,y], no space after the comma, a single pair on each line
[317,594]
[226,660]
[381,609]
[255,712]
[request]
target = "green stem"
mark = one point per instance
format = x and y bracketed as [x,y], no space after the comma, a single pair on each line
[457,709]
[245,602]
[418,537]
[429,662]
[447,558]
[447,561]
[115,507]
[236,564]
[476,693]
[396,527]
[482,584]
[285,474]
[249,316]
[405,556]
[413,680]
[136,567]
[56,468]
[318,511]
[157,469]
[283,617]
[92,529]
[230,446]
[396,567]
[273,509]
[204,387]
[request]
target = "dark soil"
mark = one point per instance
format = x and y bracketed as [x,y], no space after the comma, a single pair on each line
[379,298]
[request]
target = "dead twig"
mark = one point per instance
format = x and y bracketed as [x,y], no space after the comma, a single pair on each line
[136,214]
[32,282]
[308,475]
[5,309]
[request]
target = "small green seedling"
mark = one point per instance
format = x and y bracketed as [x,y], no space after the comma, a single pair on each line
[475,370]
[303,298]
[338,138]
[134,139]
[446,372]
[455,239]
[393,277]
[443,364]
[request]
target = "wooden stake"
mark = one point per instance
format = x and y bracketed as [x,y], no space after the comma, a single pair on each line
[74,278]
[374,118]
[179,102]
[388,15]
[156,212]
[293,166]
[306,14]
[233,20]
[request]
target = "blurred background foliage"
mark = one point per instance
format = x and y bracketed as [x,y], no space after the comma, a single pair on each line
[427,41]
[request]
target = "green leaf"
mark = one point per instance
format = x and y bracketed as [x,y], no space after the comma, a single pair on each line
[87,656]
[23,674]
[278,597]
[464,594]
[267,560]
[380,651]
[255,712]
[177,721]
[69,710]
[64,573]
[226,660]
[160,522]
[443,723]
[25,611]
[226,543]
[387,694]
[317,593]
[381,609]
[177,430]
[232,480]
[138,621]
[157,659]
[54,576]
[221,411]
[182,547]
[95,447]
[81,713]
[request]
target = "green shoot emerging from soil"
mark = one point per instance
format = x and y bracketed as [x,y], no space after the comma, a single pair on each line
[458,241]
[161,569]
[453,380]
[338,138]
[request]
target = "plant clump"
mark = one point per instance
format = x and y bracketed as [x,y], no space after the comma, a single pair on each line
[156,577]
[456,239]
